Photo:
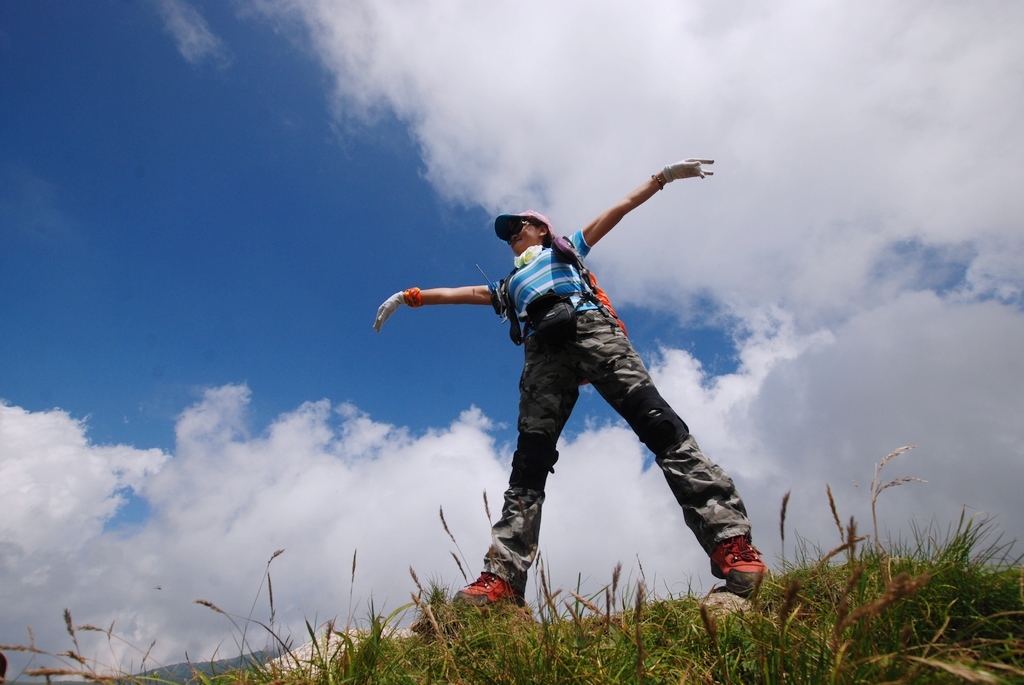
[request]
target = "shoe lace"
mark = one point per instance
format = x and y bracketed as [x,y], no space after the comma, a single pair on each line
[486,580]
[739,547]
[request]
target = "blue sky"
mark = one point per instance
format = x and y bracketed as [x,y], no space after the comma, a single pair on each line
[201,224]
[173,226]
[203,204]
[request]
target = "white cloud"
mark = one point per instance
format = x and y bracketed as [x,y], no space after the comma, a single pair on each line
[840,130]
[196,42]
[318,483]
[941,375]
[57,490]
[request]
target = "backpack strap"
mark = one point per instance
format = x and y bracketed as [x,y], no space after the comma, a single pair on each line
[501,300]
[565,252]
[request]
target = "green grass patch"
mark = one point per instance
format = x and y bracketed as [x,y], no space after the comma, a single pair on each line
[935,612]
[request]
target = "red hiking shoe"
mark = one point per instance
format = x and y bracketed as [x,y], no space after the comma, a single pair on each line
[739,564]
[486,590]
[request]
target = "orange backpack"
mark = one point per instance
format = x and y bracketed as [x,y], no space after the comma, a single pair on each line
[603,299]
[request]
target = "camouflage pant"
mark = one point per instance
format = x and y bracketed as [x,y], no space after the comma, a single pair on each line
[548,389]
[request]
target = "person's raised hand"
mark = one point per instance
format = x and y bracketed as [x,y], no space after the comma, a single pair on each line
[688,168]
[385,311]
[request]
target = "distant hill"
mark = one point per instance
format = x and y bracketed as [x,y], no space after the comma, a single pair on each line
[187,671]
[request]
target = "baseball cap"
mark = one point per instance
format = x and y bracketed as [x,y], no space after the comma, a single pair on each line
[502,225]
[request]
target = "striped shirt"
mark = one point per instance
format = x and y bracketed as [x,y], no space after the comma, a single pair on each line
[545,274]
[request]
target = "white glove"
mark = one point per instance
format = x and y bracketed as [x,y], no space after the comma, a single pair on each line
[388,308]
[688,168]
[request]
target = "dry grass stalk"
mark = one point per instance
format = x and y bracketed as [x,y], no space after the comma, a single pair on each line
[575,614]
[637,618]
[900,587]
[877,487]
[417,599]
[351,589]
[965,673]
[21,648]
[67,624]
[210,605]
[710,626]
[149,650]
[85,675]
[843,608]
[72,654]
[892,455]
[461,570]
[270,594]
[1003,667]
[455,542]
[609,597]
[782,522]
[849,546]
[835,512]
[906,632]
[248,619]
[587,603]
[790,601]
[638,604]
[608,614]
[549,596]
[444,524]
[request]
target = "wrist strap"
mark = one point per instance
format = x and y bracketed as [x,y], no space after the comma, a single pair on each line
[412,297]
[661,184]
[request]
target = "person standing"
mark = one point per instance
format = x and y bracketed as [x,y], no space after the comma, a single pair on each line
[571,336]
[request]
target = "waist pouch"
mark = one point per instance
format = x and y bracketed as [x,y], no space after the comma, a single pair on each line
[553,318]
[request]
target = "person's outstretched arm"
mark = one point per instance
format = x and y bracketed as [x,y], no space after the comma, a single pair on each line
[688,168]
[414,297]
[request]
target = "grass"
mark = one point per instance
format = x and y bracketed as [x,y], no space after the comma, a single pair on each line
[931,612]
[945,607]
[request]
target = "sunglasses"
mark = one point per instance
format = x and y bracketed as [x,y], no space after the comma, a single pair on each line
[516,227]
